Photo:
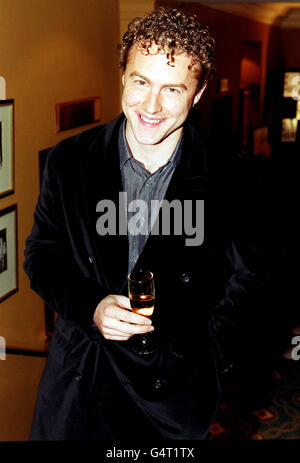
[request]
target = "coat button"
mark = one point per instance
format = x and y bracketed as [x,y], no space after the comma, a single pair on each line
[157,385]
[92,259]
[78,377]
[185,277]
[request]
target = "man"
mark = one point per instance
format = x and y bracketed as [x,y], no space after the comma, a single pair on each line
[95,386]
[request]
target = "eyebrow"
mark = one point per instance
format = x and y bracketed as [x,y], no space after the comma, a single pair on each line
[137,74]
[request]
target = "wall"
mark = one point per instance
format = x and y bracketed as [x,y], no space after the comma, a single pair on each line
[230,32]
[130,9]
[19,378]
[50,52]
[290,49]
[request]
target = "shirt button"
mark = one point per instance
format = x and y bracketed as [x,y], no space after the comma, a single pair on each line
[157,385]
[185,277]
[78,377]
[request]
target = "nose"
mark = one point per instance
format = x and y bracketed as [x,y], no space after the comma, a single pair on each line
[152,103]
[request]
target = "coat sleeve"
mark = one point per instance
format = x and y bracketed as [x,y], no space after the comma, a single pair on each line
[49,263]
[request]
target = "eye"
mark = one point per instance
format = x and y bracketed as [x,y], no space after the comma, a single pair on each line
[172,91]
[140,83]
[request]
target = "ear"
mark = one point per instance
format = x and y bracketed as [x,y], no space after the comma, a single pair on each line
[199,94]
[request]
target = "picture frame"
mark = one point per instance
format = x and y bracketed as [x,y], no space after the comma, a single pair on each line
[289,130]
[291,83]
[259,141]
[8,252]
[223,85]
[72,114]
[6,147]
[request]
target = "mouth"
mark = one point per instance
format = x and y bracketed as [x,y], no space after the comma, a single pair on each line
[145,121]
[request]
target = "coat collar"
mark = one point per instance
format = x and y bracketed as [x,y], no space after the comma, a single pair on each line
[102,160]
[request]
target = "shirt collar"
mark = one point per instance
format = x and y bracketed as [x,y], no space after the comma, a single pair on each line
[124,150]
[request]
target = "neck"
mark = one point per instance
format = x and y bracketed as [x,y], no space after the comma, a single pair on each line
[153,156]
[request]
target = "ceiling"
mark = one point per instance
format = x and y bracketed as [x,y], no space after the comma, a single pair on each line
[283,14]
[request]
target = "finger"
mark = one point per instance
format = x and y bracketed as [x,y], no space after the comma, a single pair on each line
[117,338]
[114,312]
[131,317]
[129,328]
[113,332]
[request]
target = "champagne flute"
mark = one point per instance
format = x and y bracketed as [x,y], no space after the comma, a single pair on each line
[141,292]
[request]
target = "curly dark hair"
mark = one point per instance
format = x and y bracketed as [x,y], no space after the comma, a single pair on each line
[173,32]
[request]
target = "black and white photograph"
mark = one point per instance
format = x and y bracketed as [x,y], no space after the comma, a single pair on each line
[8,252]
[6,147]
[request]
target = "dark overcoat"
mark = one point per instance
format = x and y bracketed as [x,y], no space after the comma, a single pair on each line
[201,291]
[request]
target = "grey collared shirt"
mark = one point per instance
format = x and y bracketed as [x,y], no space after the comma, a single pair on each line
[141,185]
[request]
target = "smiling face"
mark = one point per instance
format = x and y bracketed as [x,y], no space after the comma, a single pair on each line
[157,97]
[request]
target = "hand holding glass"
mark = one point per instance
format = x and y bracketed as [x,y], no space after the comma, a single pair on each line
[142,298]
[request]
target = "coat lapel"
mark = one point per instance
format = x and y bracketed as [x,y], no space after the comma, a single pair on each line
[103,181]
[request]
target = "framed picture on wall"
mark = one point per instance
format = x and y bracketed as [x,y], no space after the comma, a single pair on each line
[291,84]
[259,141]
[76,113]
[288,130]
[6,147]
[8,252]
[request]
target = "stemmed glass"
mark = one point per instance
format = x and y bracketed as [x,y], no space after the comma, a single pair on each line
[141,292]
